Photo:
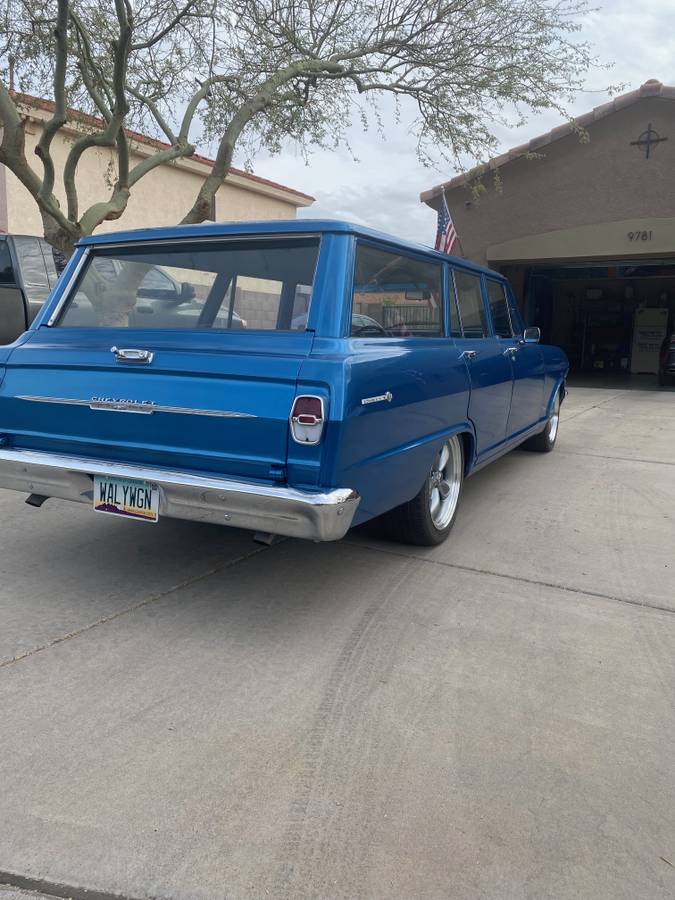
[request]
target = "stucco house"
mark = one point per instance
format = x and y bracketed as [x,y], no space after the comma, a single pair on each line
[582,222]
[162,197]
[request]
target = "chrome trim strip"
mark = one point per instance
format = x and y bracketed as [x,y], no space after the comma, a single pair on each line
[381,398]
[66,290]
[317,515]
[145,407]
[205,239]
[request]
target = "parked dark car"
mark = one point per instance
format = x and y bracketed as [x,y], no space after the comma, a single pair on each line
[374,376]
[29,269]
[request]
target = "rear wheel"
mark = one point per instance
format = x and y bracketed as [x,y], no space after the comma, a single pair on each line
[544,442]
[426,520]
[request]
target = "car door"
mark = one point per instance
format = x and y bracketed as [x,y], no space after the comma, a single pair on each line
[12,305]
[526,359]
[33,273]
[405,386]
[490,371]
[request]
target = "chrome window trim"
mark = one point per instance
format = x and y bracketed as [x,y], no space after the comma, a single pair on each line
[208,239]
[67,288]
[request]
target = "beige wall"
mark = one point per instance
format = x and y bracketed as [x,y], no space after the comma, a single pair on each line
[160,198]
[581,199]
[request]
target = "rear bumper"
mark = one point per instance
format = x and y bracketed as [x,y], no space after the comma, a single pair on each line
[279,510]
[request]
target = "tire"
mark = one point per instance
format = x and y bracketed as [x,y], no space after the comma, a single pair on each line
[544,442]
[427,519]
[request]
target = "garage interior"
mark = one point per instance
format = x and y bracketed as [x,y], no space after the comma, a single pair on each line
[611,318]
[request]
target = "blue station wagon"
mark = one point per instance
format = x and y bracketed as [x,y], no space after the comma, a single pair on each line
[295,378]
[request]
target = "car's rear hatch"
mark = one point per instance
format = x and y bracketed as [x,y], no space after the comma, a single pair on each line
[214,402]
[194,397]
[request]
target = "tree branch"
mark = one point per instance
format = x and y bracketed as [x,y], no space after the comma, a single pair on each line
[108,136]
[246,112]
[13,155]
[155,112]
[58,119]
[156,38]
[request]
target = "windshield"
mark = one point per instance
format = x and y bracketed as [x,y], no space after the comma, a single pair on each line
[263,284]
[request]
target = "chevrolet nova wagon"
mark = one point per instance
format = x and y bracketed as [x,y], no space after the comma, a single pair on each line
[299,378]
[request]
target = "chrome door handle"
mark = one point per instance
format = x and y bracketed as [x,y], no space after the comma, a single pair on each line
[511,350]
[468,354]
[132,355]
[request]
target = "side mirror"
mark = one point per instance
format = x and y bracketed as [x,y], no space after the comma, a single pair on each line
[532,335]
[187,291]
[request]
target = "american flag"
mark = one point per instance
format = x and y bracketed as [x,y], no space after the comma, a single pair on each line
[446,236]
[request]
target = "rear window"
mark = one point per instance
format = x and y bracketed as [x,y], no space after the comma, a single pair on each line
[263,285]
[396,295]
[6,272]
[33,270]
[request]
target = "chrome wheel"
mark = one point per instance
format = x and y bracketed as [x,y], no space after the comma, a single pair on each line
[553,422]
[445,482]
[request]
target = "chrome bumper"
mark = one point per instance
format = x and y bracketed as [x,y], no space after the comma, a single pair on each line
[202,498]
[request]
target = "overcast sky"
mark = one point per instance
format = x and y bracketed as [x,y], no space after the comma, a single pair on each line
[382,189]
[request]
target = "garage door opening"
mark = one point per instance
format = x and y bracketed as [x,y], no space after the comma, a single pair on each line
[612,319]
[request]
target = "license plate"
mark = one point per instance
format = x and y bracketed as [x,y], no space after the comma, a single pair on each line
[126,497]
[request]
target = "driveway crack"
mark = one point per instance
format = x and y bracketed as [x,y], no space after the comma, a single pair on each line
[155,598]
[589,408]
[584,592]
[55,889]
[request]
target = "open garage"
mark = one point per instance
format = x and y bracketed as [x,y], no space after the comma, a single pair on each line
[611,318]
[582,222]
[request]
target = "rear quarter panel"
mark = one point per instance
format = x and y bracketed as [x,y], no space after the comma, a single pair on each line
[556,366]
[382,449]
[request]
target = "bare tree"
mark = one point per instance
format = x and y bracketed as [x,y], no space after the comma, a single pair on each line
[256,73]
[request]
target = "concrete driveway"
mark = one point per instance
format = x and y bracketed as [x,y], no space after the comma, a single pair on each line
[187,715]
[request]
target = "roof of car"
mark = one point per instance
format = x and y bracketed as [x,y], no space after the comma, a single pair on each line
[269,227]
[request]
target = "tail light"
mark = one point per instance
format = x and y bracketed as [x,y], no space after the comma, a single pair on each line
[307,420]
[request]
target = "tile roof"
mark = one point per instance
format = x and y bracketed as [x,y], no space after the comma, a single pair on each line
[651,88]
[79,116]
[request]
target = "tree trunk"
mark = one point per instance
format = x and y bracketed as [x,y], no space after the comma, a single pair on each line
[62,240]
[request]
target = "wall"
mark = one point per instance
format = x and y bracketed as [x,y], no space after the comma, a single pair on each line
[578,186]
[160,198]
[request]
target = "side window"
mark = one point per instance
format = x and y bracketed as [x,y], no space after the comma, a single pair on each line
[455,324]
[53,262]
[395,295]
[156,280]
[6,272]
[499,308]
[471,306]
[32,266]
[516,317]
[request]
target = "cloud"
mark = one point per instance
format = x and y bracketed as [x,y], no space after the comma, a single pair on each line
[382,188]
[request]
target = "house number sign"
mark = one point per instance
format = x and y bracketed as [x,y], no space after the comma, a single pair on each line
[639,235]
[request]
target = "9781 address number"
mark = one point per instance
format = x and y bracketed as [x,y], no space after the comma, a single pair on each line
[639,235]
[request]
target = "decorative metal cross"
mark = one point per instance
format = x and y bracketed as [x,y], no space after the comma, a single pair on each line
[647,139]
